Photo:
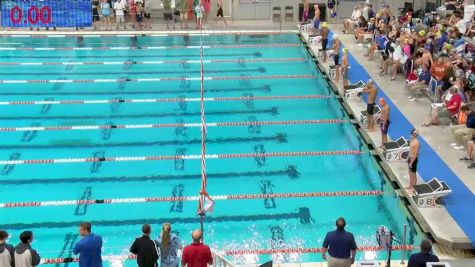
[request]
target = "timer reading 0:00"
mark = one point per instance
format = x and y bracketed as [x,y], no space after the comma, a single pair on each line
[35,15]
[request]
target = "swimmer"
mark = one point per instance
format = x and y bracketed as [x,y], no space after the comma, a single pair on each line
[306,13]
[336,56]
[414,149]
[325,32]
[372,92]
[385,115]
[345,67]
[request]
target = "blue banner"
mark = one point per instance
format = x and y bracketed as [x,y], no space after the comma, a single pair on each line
[46,13]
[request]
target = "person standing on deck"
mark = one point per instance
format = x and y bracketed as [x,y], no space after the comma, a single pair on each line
[325,32]
[345,67]
[169,245]
[145,248]
[341,246]
[89,247]
[336,55]
[372,92]
[7,251]
[414,149]
[25,255]
[385,115]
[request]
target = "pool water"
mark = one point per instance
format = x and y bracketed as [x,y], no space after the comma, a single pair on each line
[271,223]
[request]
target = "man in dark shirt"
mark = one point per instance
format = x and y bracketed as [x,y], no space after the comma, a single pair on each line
[196,254]
[420,259]
[145,248]
[341,246]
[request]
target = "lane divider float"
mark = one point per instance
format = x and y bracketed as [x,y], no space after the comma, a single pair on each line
[161,100]
[238,253]
[163,79]
[250,60]
[127,48]
[188,198]
[169,125]
[182,157]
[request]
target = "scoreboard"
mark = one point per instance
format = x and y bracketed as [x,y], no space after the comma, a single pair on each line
[46,13]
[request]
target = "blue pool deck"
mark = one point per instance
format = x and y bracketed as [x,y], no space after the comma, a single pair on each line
[453,224]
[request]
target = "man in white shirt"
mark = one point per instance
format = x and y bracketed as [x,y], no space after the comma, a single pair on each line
[119,7]
[351,22]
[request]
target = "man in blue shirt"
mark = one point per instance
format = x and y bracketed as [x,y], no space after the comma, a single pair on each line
[89,247]
[422,82]
[341,246]
[420,259]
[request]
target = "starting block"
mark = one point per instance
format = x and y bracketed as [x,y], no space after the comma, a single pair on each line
[353,90]
[376,116]
[320,53]
[305,27]
[396,150]
[332,71]
[426,195]
[314,39]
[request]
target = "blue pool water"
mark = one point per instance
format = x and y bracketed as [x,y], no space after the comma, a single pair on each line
[235,224]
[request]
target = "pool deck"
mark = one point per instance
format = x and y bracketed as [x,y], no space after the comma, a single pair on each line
[436,221]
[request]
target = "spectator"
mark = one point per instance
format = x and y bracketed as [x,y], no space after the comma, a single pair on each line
[119,8]
[133,10]
[316,18]
[353,21]
[470,153]
[341,246]
[199,9]
[95,15]
[447,110]
[220,12]
[196,254]
[331,9]
[413,159]
[463,133]
[385,120]
[306,11]
[182,6]
[206,8]
[89,247]
[25,255]
[167,12]
[169,245]
[106,13]
[7,252]
[145,248]
[421,83]
[422,258]
[147,9]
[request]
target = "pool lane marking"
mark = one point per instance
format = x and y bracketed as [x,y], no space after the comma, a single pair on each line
[188,198]
[181,157]
[148,34]
[161,100]
[128,48]
[162,79]
[300,250]
[153,62]
[170,125]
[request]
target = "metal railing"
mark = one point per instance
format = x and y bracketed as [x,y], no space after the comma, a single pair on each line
[220,260]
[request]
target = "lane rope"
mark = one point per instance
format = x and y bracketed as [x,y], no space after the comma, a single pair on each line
[182,157]
[163,79]
[250,60]
[188,198]
[169,125]
[162,100]
[144,34]
[239,252]
[127,48]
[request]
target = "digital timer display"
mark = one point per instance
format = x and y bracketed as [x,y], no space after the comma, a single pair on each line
[46,13]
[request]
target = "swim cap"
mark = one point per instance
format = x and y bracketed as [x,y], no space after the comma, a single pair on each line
[345,50]
[325,24]
[414,132]
[422,33]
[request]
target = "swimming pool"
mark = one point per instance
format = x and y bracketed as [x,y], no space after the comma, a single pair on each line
[124,114]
